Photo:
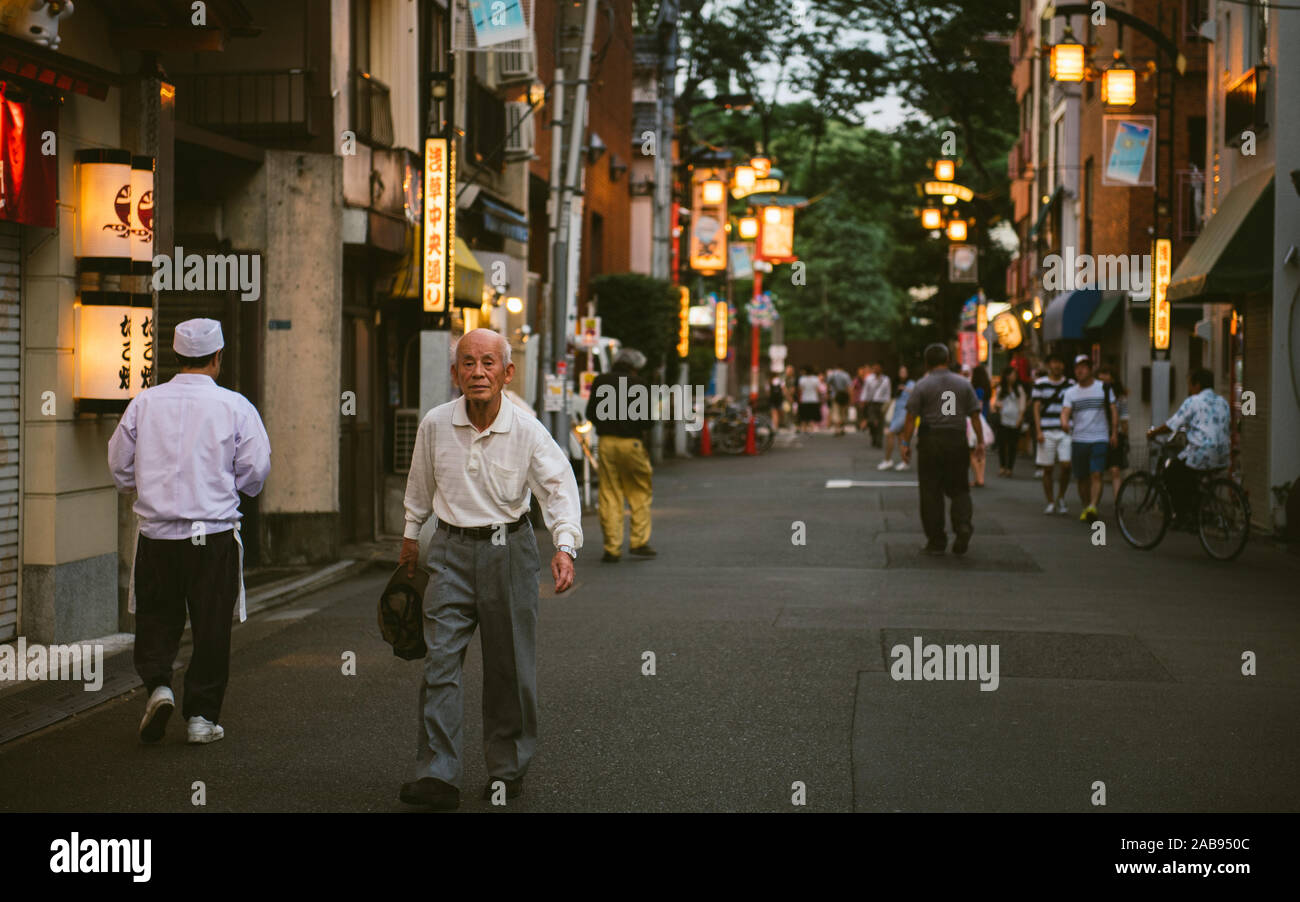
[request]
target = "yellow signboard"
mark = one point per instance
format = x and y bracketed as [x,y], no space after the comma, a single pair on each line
[981,326]
[1161,315]
[720,324]
[961,192]
[708,246]
[438,234]
[684,322]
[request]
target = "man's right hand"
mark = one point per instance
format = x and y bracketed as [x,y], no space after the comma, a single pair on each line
[410,556]
[1038,434]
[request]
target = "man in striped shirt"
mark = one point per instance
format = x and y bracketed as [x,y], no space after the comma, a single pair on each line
[1053,443]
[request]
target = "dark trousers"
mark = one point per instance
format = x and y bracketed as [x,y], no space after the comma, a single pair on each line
[942,465]
[1182,481]
[1008,439]
[172,575]
[876,421]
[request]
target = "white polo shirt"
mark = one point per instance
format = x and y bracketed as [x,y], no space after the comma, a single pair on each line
[470,478]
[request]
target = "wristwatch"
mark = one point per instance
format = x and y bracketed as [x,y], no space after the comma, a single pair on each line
[568,549]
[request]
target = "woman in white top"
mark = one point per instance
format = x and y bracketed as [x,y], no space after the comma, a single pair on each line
[810,400]
[1010,405]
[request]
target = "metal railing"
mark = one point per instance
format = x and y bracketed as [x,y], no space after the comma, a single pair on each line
[372,110]
[262,104]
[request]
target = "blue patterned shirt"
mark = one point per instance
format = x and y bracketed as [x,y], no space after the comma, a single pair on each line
[1205,417]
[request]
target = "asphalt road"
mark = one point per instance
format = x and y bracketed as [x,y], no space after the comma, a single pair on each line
[773,668]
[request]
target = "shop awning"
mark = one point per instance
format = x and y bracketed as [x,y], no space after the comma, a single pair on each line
[1067,314]
[1234,252]
[469,277]
[1110,302]
[503,220]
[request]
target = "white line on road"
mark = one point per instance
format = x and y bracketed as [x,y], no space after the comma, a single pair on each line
[853,483]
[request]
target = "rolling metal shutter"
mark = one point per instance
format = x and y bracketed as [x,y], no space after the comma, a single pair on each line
[10,427]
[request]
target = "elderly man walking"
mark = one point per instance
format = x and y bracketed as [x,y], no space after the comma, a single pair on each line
[474,463]
[188,448]
[626,477]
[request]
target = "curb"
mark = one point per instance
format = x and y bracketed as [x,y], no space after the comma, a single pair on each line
[24,710]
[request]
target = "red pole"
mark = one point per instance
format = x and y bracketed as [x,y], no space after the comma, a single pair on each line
[751,446]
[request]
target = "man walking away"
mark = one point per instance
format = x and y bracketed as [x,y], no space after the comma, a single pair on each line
[879,391]
[625,472]
[474,462]
[838,384]
[945,402]
[188,448]
[1053,442]
[1089,415]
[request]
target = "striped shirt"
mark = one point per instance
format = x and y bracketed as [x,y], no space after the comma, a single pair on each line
[1051,395]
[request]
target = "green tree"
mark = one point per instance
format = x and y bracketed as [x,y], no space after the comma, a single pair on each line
[640,311]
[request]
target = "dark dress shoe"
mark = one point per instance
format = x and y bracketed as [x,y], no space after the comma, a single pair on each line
[934,548]
[961,543]
[514,788]
[642,551]
[610,558]
[431,792]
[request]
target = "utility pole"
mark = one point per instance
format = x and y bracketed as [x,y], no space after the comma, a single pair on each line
[563,282]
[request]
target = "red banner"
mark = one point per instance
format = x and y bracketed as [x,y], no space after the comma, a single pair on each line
[29,179]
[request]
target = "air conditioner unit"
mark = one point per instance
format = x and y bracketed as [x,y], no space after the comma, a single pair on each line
[516,61]
[406,423]
[520,128]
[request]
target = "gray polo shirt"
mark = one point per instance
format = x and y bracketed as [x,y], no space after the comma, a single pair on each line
[927,400]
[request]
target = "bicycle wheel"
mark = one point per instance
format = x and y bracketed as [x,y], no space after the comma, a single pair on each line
[731,436]
[764,434]
[1142,509]
[1223,519]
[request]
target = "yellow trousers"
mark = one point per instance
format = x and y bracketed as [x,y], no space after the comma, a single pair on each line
[625,476]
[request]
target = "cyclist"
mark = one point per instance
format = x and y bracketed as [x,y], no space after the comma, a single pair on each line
[1205,417]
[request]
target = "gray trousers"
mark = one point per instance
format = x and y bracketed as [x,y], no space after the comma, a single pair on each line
[495,587]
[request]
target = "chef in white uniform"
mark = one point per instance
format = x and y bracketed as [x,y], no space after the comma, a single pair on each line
[188,448]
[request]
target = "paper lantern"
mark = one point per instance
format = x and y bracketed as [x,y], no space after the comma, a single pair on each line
[932,218]
[957,230]
[748,228]
[762,166]
[945,170]
[744,177]
[114,348]
[104,210]
[142,215]
[713,192]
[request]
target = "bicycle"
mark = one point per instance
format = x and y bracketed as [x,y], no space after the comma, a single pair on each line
[729,429]
[1221,518]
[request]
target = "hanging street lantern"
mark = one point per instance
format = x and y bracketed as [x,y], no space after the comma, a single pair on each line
[931,218]
[776,237]
[743,178]
[713,191]
[104,210]
[945,170]
[957,230]
[1007,328]
[762,166]
[708,229]
[1067,61]
[1119,87]
[748,229]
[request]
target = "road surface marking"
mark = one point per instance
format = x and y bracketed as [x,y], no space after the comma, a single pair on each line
[852,483]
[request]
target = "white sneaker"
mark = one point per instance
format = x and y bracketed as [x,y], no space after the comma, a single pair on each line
[901,466]
[1061,506]
[1051,508]
[154,723]
[884,464]
[202,730]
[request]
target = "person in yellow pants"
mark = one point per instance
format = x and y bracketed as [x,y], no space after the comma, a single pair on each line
[625,472]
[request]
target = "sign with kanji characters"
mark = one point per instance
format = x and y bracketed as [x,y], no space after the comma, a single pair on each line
[438,234]
[105,333]
[1161,316]
[708,220]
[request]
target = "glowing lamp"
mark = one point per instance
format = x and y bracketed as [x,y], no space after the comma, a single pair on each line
[932,218]
[762,166]
[104,210]
[950,199]
[1067,62]
[749,228]
[945,170]
[772,215]
[114,348]
[720,330]
[142,215]
[515,305]
[744,177]
[713,192]
[957,230]
[1027,315]
[1119,87]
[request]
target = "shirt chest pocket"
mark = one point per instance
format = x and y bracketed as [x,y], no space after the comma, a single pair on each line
[505,483]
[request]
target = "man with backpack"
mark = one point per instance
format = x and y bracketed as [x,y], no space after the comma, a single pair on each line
[1089,414]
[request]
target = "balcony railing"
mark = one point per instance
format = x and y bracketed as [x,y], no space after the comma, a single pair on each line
[255,105]
[372,111]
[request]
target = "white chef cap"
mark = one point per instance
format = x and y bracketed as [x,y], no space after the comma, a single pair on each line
[198,338]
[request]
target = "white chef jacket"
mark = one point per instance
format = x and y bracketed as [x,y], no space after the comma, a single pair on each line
[187,448]
[469,478]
